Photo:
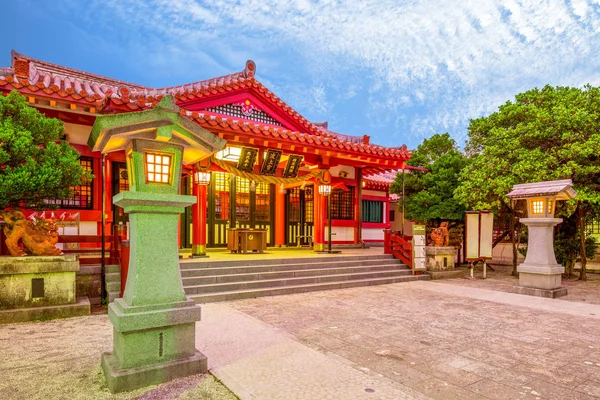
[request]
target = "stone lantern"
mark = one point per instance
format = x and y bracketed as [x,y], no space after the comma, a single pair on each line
[154,323]
[540,274]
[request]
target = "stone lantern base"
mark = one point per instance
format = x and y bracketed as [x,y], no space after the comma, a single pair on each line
[152,344]
[540,275]
[540,281]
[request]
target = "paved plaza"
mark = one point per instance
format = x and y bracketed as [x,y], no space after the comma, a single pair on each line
[413,340]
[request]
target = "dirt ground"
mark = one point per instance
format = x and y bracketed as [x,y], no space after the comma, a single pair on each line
[60,359]
[502,280]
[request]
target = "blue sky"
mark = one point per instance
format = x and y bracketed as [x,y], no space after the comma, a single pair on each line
[398,71]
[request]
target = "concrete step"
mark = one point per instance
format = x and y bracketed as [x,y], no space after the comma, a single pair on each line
[272,283]
[298,264]
[112,295]
[112,268]
[246,293]
[113,277]
[113,286]
[192,264]
[269,275]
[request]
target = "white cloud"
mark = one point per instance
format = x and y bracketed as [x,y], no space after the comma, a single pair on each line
[458,59]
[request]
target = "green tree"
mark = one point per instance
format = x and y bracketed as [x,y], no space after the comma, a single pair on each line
[545,134]
[34,164]
[429,194]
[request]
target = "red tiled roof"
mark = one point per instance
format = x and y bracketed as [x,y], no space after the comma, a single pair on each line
[211,120]
[30,76]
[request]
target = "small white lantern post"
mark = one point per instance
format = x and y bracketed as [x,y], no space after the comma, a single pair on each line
[540,274]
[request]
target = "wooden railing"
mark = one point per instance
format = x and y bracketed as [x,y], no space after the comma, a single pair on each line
[395,244]
[90,248]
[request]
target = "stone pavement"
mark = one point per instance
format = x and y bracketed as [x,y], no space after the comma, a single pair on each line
[256,361]
[411,340]
[441,340]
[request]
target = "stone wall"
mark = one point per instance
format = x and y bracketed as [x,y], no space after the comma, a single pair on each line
[89,280]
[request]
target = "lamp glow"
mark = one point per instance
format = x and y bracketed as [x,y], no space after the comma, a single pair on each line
[202,178]
[158,168]
[324,190]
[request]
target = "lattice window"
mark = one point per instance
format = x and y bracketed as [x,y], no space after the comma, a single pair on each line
[593,226]
[263,202]
[309,204]
[83,195]
[342,203]
[372,211]
[222,195]
[294,205]
[235,110]
[242,199]
[158,168]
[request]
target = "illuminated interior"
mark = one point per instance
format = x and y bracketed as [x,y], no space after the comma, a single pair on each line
[158,168]
[229,154]
[537,207]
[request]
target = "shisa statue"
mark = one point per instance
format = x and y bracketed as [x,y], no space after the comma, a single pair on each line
[39,237]
[440,236]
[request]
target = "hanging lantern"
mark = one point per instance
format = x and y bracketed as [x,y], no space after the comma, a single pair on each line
[324,190]
[202,178]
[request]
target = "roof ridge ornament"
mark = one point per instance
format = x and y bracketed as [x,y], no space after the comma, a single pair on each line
[250,69]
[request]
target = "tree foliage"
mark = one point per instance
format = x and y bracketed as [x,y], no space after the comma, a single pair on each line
[429,194]
[34,164]
[545,134]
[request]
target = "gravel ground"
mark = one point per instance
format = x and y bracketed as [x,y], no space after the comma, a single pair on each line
[502,280]
[60,359]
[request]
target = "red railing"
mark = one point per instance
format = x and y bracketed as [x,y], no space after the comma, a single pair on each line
[395,244]
[90,248]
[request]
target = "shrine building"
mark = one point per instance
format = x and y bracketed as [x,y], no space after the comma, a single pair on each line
[273,174]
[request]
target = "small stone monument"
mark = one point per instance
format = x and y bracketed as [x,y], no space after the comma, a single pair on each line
[440,256]
[154,323]
[540,274]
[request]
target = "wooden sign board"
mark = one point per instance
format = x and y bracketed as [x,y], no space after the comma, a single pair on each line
[292,166]
[247,159]
[418,245]
[271,162]
[479,235]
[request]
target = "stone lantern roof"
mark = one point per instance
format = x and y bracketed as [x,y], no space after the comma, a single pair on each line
[561,190]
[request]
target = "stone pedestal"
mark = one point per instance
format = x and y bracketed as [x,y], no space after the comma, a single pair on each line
[440,258]
[154,322]
[39,287]
[440,262]
[540,274]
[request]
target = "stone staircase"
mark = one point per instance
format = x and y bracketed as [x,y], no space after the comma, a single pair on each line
[113,282]
[211,281]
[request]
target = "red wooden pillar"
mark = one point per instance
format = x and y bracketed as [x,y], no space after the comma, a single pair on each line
[199,222]
[358,207]
[318,217]
[320,220]
[279,217]
[387,245]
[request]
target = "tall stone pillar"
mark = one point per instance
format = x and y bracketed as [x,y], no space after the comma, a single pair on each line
[154,324]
